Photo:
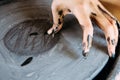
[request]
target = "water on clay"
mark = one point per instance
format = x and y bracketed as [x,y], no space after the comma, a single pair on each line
[28,37]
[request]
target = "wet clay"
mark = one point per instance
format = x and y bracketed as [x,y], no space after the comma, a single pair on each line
[29,37]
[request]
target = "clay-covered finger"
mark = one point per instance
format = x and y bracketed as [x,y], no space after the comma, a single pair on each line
[109,27]
[104,11]
[57,12]
[85,22]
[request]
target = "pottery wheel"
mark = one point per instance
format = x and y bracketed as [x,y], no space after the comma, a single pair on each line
[23,26]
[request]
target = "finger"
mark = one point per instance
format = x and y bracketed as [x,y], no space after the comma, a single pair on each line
[110,31]
[108,15]
[110,18]
[105,11]
[85,22]
[58,16]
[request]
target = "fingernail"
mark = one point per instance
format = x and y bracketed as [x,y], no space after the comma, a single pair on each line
[53,34]
[89,40]
[85,54]
[113,55]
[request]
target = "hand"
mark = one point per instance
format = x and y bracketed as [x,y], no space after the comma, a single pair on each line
[84,11]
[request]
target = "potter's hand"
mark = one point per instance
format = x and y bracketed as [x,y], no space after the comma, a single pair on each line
[84,11]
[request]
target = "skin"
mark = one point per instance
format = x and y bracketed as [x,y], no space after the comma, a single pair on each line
[113,6]
[84,11]
[117,77]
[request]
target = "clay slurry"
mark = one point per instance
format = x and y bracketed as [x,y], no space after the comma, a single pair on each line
[29,37]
